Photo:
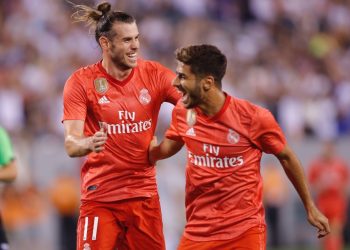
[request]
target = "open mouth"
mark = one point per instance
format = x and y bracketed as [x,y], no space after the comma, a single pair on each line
[132,56]
[185,96]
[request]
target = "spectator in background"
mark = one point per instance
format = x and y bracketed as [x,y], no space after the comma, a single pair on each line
[275,195]
[110,114]
[329,178]
[64,195]
[8,172]
[225,138]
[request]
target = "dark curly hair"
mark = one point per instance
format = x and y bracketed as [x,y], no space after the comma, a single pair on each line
[204,60]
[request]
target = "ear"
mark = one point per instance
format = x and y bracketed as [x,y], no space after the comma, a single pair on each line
[104,42]
[208,82]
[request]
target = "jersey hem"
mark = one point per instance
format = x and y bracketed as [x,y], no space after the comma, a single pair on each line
[122,198]
[217,238]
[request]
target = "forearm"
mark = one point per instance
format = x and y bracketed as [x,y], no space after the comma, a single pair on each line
[9,172]
[161,152]
[295,173]
[165,149]
[77,146]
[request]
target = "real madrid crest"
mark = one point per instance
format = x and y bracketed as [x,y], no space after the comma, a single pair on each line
[191,117]
[87,246]
[101,85]
[144,96]
[232,136]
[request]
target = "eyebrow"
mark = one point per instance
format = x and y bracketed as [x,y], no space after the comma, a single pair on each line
[131,37]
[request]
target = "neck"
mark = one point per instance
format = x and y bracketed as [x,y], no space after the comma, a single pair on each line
[213,102]
[114,70]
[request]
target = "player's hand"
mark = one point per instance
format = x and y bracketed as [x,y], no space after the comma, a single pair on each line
[98,140]
[317,219]
[152,145]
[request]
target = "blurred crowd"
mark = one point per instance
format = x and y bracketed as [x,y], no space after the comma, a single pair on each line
[289,56]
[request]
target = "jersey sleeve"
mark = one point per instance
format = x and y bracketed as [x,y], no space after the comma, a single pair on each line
[265,132]
[74,100]
[6,151]
[172,133]
[165,78]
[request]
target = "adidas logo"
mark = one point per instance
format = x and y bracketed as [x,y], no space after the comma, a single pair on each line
[191,132]
[103,100]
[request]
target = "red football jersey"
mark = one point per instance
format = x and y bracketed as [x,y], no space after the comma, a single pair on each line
[130,110]
[331,179]
[223,181]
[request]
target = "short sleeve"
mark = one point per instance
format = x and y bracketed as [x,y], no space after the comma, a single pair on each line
[74,100]
[6,151]
[172,133]
[266,133]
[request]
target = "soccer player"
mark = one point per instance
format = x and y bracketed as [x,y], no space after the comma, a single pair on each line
[8,172]
[225,138]
[329,178]
[110,115]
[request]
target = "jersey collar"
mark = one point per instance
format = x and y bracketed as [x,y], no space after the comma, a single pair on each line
[218,114]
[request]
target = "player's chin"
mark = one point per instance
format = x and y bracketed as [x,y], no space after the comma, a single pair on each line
[132,64]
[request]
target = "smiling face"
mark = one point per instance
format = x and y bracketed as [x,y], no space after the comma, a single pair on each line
[190,87]
[124,46]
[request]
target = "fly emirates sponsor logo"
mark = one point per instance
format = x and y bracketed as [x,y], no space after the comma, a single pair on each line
[211,159]
[127,124]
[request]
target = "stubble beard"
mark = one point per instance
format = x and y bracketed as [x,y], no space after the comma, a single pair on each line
[195,97]
[120,61]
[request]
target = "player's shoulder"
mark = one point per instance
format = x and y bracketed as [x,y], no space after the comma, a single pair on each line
[249,113]
[248,108]
[149,65]
[85,72]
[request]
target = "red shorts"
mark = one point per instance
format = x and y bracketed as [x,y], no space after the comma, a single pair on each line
[128,224]
[253,239]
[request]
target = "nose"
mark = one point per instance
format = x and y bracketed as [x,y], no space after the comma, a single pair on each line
[176,82]
[135,44]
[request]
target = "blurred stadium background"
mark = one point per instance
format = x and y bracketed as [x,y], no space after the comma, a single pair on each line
[292,57]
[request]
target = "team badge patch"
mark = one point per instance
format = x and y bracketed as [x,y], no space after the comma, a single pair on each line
[191,117]
[87,246]
[232,136]
[144,96]
[101,85]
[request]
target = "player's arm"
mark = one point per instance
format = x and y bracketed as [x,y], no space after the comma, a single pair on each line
[8,172]
[295,173]
[77,144]
[8,167]
[164,150]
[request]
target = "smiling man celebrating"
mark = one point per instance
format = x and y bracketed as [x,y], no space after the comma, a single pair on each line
[110,115]
[225,138]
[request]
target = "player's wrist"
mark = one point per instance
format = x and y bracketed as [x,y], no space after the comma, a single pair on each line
[310,206]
